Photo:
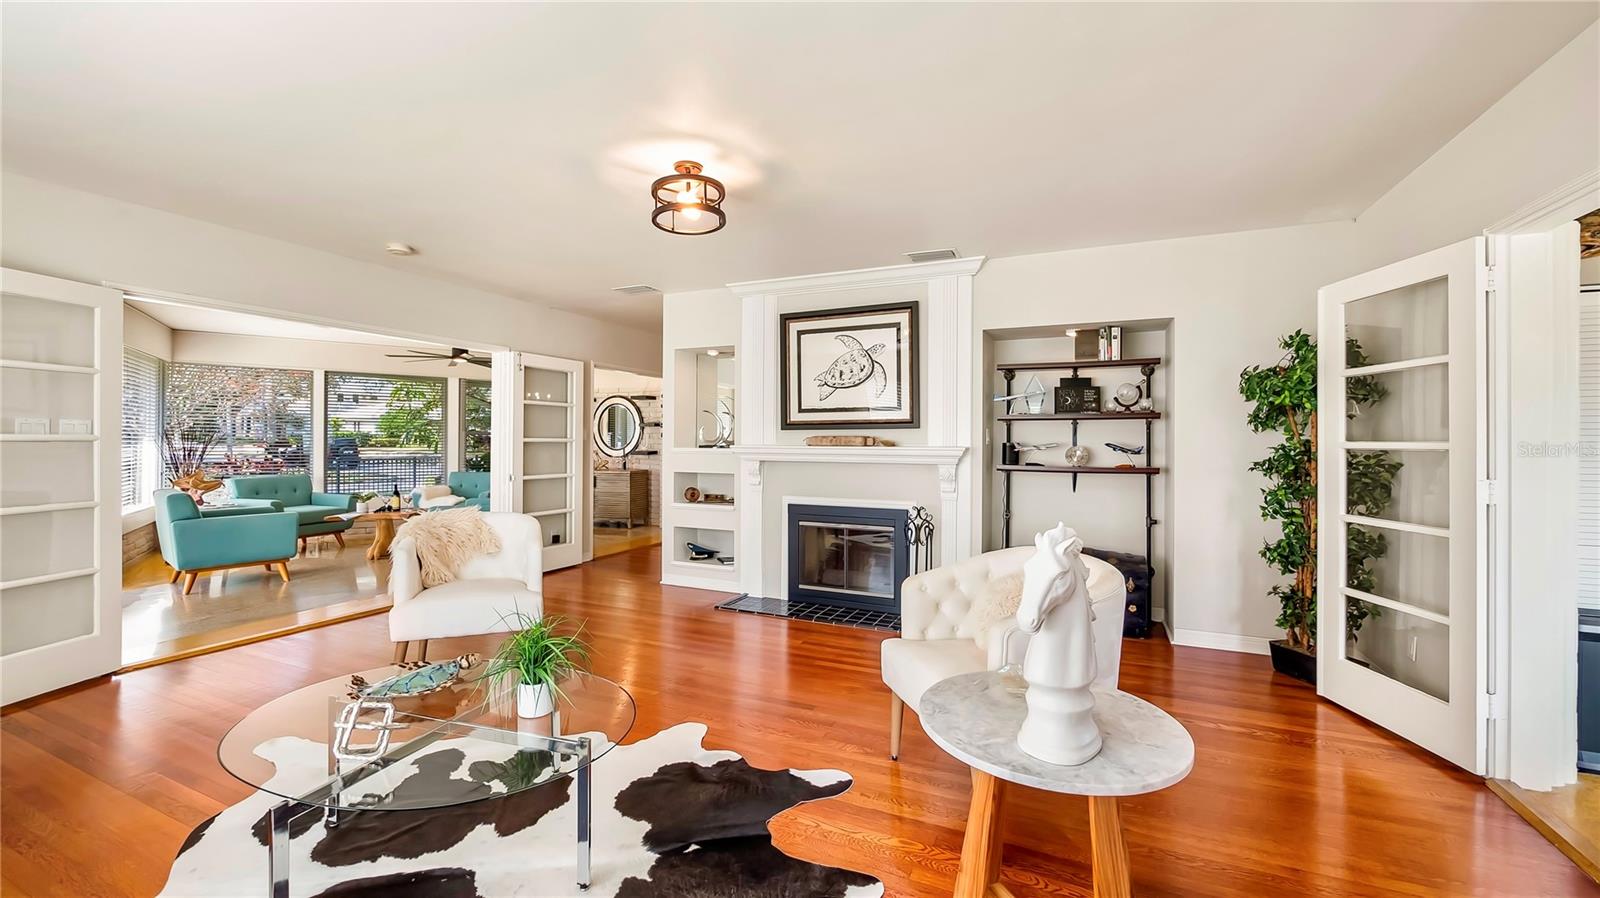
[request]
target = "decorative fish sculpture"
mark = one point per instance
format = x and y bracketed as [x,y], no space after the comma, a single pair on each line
[421,679]
[858,365]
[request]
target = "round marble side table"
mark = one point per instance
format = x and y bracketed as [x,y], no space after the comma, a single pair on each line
[974,717]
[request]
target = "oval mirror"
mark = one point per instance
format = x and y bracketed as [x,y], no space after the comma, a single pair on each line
[618,426]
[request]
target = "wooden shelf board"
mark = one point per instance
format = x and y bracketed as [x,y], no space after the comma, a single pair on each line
[1076,363]
[1058,469]
[1084,416]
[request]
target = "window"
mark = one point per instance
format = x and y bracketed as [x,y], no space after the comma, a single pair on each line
[141,426]
[384,432]
[240,420]
[475,424]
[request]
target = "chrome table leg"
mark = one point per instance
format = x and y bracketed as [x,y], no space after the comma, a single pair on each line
[278,849]
[583,818]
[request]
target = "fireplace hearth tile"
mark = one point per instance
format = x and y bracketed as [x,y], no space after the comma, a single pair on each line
[815,612]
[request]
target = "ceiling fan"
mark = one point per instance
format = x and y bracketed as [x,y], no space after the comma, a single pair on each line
[455,357]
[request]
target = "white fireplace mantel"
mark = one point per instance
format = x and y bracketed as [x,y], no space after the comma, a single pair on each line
[944,457]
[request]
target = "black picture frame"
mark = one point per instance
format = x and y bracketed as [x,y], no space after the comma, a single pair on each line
[831,322]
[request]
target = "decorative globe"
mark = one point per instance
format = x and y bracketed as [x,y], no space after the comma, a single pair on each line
[1128,395]
[1077,456]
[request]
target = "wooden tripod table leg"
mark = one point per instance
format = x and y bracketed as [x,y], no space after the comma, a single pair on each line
[1109,860]
[980,850]
[382,536]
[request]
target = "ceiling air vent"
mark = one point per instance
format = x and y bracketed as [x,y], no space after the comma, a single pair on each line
[635,289]
[933,255]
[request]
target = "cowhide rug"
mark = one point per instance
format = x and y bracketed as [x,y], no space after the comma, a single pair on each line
[671,819]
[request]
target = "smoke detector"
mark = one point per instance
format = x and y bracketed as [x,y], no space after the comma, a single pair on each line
[635,289]
[399,249]
[932,255]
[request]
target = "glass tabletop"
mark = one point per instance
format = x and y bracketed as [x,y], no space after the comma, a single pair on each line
[461,744]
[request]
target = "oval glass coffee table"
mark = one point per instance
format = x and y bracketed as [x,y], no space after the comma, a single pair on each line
[377,750]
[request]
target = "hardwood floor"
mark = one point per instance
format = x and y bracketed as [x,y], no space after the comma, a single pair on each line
[611,540]
[1289,796]
[329,582]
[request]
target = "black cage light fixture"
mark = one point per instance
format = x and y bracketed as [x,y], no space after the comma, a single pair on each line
[688,202]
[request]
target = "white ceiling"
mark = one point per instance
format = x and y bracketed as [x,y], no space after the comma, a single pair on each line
[224,321]
[514,144]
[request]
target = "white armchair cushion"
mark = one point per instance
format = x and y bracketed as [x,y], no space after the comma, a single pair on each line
[464,608]
[910,666]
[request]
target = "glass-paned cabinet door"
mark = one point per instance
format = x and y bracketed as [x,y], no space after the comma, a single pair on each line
[549,461]
[60,497]
[1398,404]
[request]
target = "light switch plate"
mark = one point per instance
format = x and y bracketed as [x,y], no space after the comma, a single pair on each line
[76,426]
[33,425]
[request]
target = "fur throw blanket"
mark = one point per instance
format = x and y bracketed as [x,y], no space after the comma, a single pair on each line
[997,602]
[446,540]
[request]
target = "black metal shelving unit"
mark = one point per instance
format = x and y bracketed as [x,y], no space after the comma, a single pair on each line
[1146,368]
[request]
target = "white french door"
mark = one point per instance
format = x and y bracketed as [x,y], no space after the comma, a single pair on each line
[543,460]
[1401,581]
[60,493]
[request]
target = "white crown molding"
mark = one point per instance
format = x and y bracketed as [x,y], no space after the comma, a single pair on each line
[861,277]
[1581,194]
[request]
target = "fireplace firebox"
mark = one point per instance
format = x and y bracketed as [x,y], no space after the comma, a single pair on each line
[848,556]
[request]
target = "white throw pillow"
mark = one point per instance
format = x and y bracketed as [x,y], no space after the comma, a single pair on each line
[434,492]
[444,501]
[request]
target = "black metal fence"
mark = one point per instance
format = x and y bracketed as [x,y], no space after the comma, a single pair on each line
[372,473]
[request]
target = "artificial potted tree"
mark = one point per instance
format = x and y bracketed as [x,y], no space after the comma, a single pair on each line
[1283,400]
[537,657]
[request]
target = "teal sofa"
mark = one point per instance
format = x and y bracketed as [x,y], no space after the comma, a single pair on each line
[195,540]
[470,485]
[292,493]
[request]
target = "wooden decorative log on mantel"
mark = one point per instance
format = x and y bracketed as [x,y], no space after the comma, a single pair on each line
[847,440]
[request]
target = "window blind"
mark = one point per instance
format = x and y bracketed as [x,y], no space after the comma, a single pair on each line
[475,424]
[1589,440]
[384,432]
[141,426]
[255,420]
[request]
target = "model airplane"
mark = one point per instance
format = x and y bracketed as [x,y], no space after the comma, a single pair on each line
[1131,451]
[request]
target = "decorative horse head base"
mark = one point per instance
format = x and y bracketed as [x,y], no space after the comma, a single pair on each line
[1060,726]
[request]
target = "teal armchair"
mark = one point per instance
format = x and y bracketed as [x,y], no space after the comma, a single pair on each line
[470,485]
[292,493]
[195,540]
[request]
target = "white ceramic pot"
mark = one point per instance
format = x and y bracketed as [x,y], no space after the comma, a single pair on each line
[534,700]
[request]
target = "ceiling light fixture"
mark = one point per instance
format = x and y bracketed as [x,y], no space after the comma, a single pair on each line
[713,352]
[688,202]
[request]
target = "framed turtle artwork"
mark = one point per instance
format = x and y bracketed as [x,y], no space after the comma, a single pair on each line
[845,368]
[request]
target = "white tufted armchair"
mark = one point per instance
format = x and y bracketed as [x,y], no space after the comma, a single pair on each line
[487,594]
[940,634]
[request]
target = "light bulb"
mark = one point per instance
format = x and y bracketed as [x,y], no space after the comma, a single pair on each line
[687,196]
[691,214]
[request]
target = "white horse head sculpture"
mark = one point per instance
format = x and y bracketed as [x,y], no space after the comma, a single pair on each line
[1060,726]
[1055,605]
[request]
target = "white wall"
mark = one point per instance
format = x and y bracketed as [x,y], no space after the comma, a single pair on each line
[279,352]
[81,236]
[145,334]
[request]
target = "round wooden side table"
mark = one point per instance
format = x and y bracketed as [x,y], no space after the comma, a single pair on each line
[975,717]
[383,522]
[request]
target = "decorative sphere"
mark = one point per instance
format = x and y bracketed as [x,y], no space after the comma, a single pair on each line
[1128,395]
[1077,456]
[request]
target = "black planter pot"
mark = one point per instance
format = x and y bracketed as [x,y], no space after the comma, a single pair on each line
[1288,660]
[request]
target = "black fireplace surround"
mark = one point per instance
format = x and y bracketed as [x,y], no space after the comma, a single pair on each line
[848,556]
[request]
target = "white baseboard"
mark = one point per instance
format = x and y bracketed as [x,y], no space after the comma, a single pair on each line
[1227,642]
[721,586]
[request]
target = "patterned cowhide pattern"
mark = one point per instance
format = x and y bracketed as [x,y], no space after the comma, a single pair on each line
[672,819]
